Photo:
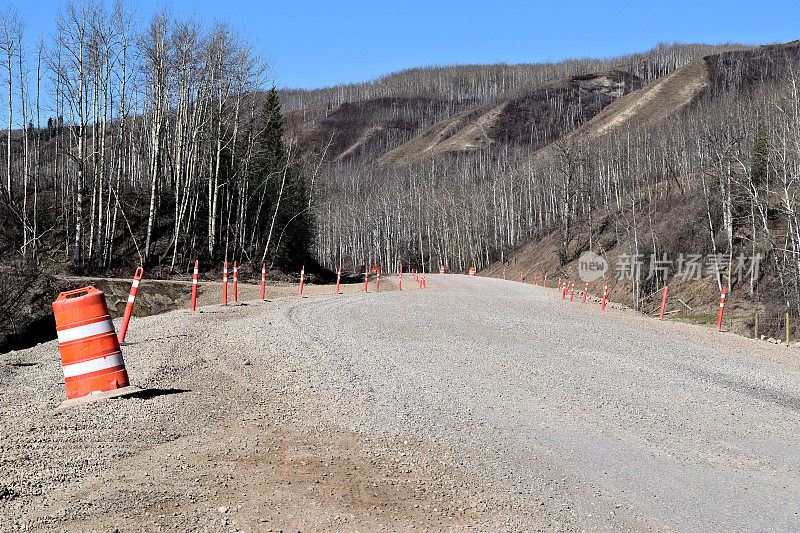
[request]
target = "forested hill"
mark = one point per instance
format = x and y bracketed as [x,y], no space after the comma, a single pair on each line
[681,150]
[165,144]
[366,120]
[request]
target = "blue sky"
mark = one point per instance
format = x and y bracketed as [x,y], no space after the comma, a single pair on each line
[314,44]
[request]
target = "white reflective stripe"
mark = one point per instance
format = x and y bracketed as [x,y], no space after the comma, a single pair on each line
[130,298]
[88,330]
[194,282]
[136,283]
[93,365]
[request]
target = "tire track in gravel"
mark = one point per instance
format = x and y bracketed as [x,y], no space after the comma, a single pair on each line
[603,419]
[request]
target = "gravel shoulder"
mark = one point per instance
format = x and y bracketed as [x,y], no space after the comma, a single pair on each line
[476,403]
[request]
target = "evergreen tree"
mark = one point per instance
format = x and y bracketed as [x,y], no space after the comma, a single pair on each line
[284,219]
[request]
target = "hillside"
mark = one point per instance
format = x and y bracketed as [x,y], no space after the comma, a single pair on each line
[696,161]
[534,118]
[362,131]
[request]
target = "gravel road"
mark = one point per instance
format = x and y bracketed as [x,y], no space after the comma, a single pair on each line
[475,403]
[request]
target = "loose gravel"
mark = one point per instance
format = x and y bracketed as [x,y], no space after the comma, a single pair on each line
[475,403]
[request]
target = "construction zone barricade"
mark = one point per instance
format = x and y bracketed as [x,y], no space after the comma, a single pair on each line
[235,282]
[90,354]
[441,269]
[194,284]
[126,318]
[605,295]
[225,284]
[471,271]
[721,308]
[263,280]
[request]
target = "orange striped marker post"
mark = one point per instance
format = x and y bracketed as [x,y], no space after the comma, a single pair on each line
[90,355]
[225,284]
[366,279]
[378,283]
[521,276]
[559,283]
[424,281]
[302,278]
[535,275]
[400,283]
[126,318]
[585,291]
[721,308]
[504,272]
[545,280]
[572,291]
[338,279]
[564,289]
[194,285]
[235,282]
[263,280]
[605,294]
[663,302]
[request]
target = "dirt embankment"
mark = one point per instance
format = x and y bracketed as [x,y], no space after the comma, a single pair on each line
[26,317]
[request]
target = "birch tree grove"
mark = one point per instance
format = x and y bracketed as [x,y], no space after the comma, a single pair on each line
[152,135]
[720,179]
[164,143]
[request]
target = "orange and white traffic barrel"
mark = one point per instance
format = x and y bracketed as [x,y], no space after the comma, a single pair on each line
[90,355]
[441,269]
